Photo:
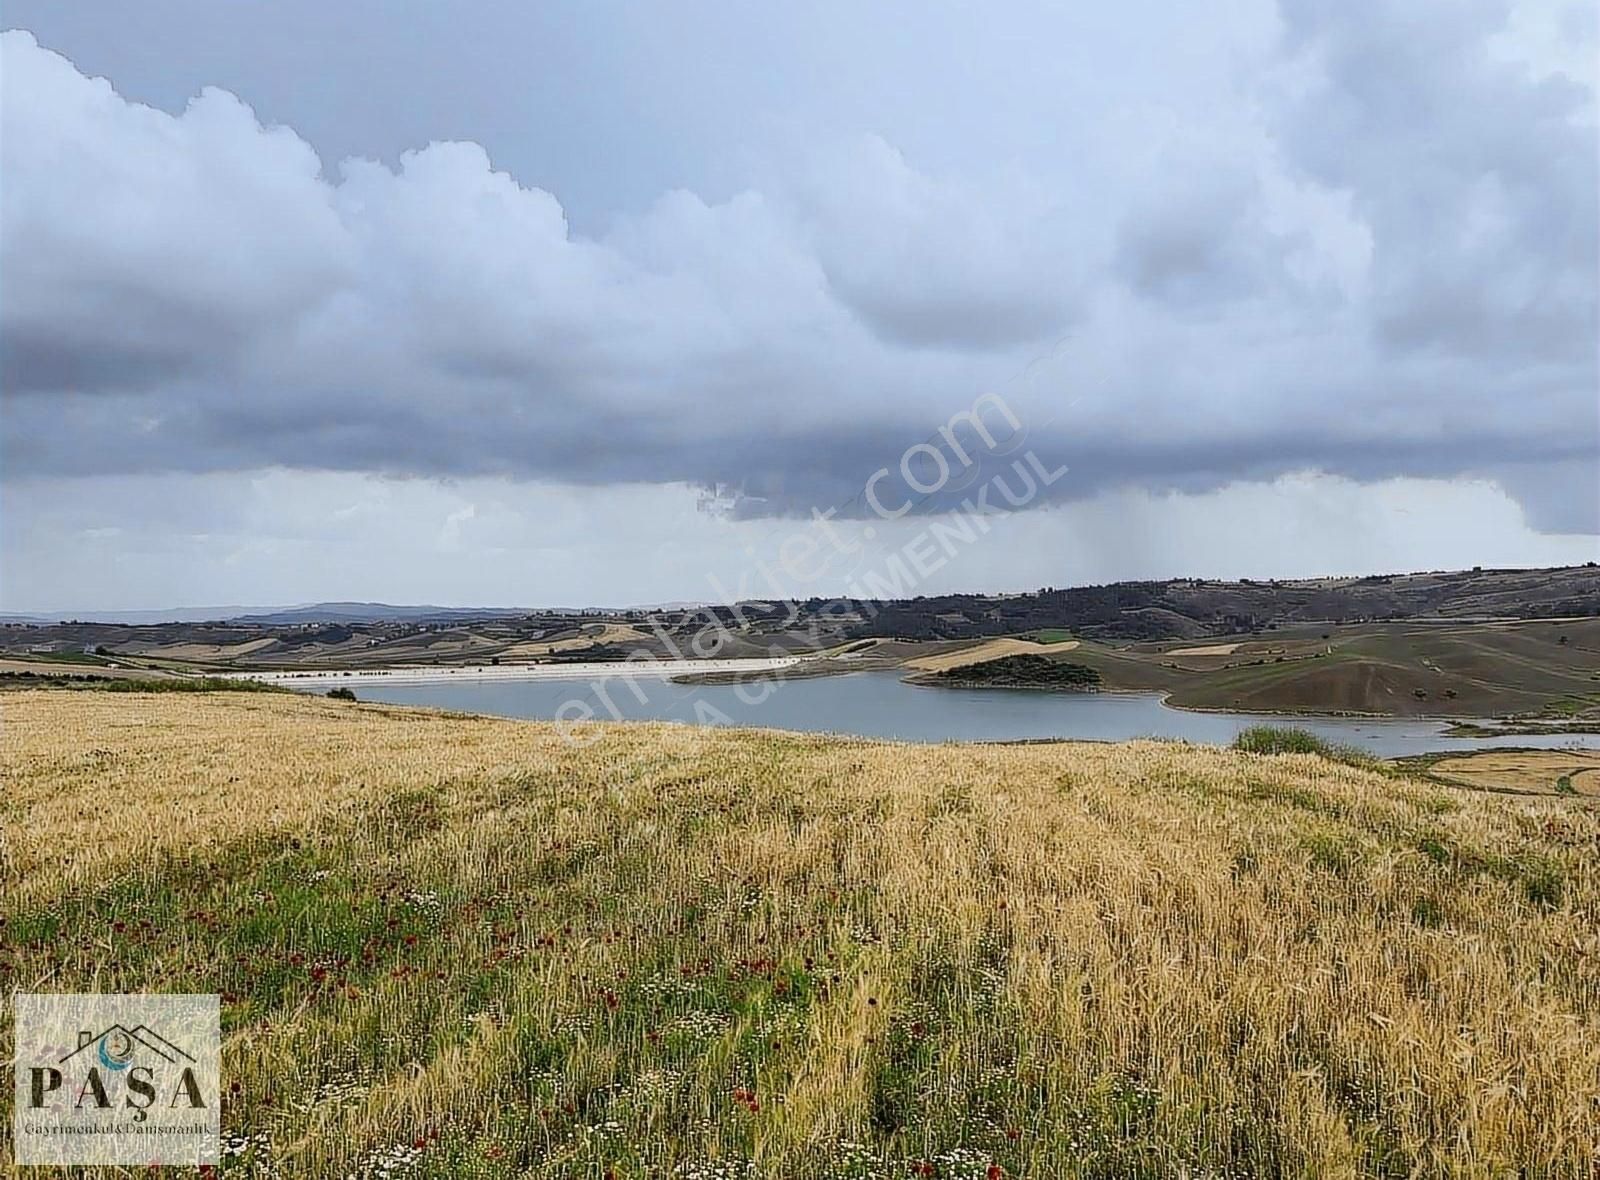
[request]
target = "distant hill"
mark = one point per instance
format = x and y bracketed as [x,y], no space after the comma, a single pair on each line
[272,616]
[349,634]
[373,612]
[131,618]
[1193,608]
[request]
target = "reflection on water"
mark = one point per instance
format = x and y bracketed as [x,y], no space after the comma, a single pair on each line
[879,704]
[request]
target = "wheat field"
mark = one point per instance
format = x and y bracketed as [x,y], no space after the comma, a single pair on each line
[457,946]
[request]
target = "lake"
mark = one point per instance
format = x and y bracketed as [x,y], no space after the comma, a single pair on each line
[879,704]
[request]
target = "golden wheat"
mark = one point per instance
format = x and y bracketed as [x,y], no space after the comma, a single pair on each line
[460,946]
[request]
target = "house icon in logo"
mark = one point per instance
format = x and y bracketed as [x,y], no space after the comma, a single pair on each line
[116,1046]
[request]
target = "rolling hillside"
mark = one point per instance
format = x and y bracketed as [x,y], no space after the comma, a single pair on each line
[454,946]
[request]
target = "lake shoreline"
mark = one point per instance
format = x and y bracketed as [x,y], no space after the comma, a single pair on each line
[780,670]
[880,706]
[594,670]
[1476,726]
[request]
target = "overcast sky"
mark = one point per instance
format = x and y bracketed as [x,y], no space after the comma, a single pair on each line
[593,302]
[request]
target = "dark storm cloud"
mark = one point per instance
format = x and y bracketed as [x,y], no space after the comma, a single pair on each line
[1478,182]
[1381,262]
[1185,255]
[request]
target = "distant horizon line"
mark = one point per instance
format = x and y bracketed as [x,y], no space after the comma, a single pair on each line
[235,612]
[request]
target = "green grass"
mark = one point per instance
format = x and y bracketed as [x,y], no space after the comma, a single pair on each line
[1051,635]
[1572,706]
[1540,877]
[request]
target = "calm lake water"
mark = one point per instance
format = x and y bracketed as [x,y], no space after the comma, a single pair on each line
[878,704]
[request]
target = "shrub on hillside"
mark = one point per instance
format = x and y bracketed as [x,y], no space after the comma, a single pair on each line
[188,684]
[1285,739]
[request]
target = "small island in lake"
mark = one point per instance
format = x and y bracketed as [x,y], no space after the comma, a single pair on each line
[1018,671]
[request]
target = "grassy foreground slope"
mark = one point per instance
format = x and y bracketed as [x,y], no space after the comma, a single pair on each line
[457,946]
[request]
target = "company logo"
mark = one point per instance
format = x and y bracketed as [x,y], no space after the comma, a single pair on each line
[117,1079]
